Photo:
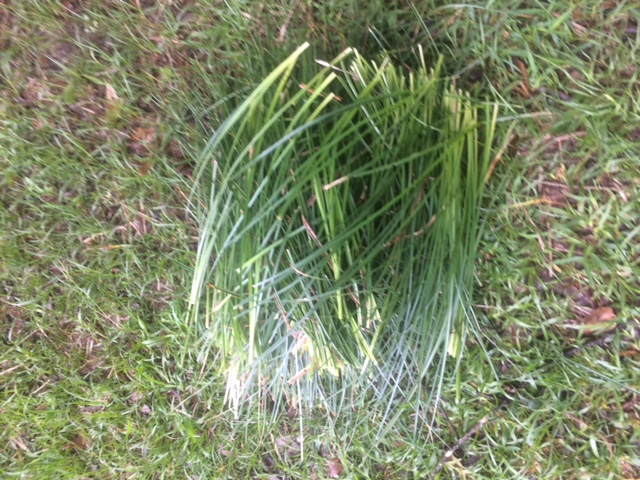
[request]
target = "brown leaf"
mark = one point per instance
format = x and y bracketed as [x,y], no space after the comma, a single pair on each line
[335,468]
[175,150]
[113,105]
[292,412]
[143,134]
[631,405]
[136,396]
[110,93]
[599,315]
[142,140]
[525,88]
[632,352]
[600,320]
[38,124]
[288,445]
[81,443]
[36,92]
[145,167]
[141,226]
[18,444]
[91,365]
[92,409]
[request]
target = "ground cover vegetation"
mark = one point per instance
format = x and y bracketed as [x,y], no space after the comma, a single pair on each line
[107,110]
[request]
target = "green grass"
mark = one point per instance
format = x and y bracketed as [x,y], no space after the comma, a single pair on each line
[99,372]
[338,233]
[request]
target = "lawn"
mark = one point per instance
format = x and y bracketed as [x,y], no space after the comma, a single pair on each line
[105,108]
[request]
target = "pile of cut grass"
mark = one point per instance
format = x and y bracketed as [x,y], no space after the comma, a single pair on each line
[339,232]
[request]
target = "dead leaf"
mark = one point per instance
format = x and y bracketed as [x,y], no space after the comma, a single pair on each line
[18,444]
[92,364]
[38,124]
[141,226]
[114,106]
[92,409]
[35,93]
[629,471]
[145,167]
[81,443]
[525,88]
[335,468]
[600,320]
[292,412]
[142,140]
[631,405]
[175,150]
[136,396]
[143,134]
[288,446]
[632,352]
[599,315]
[110,93]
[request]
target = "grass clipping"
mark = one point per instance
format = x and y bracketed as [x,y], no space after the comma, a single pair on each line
[340,224]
